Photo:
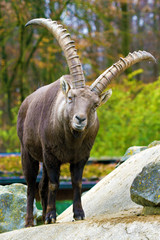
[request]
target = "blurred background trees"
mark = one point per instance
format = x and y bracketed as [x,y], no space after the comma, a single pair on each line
[103,32]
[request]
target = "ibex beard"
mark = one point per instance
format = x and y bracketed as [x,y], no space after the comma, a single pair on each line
[58,124]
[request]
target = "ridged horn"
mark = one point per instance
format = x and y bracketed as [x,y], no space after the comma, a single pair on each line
[104,79]
[67,45]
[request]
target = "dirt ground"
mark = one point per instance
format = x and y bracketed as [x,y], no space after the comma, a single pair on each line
[125,217]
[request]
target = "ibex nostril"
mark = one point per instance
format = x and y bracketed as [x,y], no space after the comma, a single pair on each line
[80,119]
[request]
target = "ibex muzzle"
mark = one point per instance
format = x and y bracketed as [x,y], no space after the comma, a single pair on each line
[58,123]
[79,122]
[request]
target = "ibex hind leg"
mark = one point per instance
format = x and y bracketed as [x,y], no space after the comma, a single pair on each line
[43,191]
[52,166]
[30,170]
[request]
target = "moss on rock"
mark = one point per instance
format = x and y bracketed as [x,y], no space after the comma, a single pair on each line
[13,200]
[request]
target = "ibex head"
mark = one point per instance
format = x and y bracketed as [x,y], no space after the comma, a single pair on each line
[81,101]
[80,105]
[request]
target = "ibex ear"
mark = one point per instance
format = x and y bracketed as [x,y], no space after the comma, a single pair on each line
[105,96]
[65,87]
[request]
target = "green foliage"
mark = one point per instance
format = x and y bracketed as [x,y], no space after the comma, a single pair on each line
[92,170]
[13,164]
[9,141]
[130,117]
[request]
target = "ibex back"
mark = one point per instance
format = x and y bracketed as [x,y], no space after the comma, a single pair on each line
[58,124]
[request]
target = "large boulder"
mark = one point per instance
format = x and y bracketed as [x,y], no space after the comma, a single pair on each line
[136,149]
[153,144]
[112,193]
[145,189]
[13,200]
[130,152]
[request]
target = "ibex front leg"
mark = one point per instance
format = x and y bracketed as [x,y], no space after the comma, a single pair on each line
[52,166]
[76,175]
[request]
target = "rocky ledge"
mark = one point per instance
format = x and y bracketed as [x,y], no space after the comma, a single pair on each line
[122,226]
[110,212]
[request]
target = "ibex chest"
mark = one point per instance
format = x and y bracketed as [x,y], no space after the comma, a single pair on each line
[66,152]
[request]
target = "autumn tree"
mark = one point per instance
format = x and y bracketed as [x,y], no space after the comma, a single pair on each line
[103,31]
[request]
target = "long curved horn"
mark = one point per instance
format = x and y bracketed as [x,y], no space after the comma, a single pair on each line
[67,46]
[104,79]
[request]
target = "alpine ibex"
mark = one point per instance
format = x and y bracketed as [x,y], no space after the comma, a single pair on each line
[58,124]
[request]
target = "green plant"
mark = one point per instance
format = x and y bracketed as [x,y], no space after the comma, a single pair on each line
[10,164]
[13,163]
[9,141]
[130,117]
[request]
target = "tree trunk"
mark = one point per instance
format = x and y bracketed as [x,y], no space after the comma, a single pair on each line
[125,29]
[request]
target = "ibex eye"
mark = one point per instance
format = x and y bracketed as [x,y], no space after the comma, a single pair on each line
[96,105]
[70,98]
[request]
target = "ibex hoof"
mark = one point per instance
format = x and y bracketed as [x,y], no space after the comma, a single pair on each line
[50,218]
[53,220]
[78,218]
[29,222]
[78,214]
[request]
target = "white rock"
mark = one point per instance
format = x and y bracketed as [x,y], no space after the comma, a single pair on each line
[91,229]
[112,193]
